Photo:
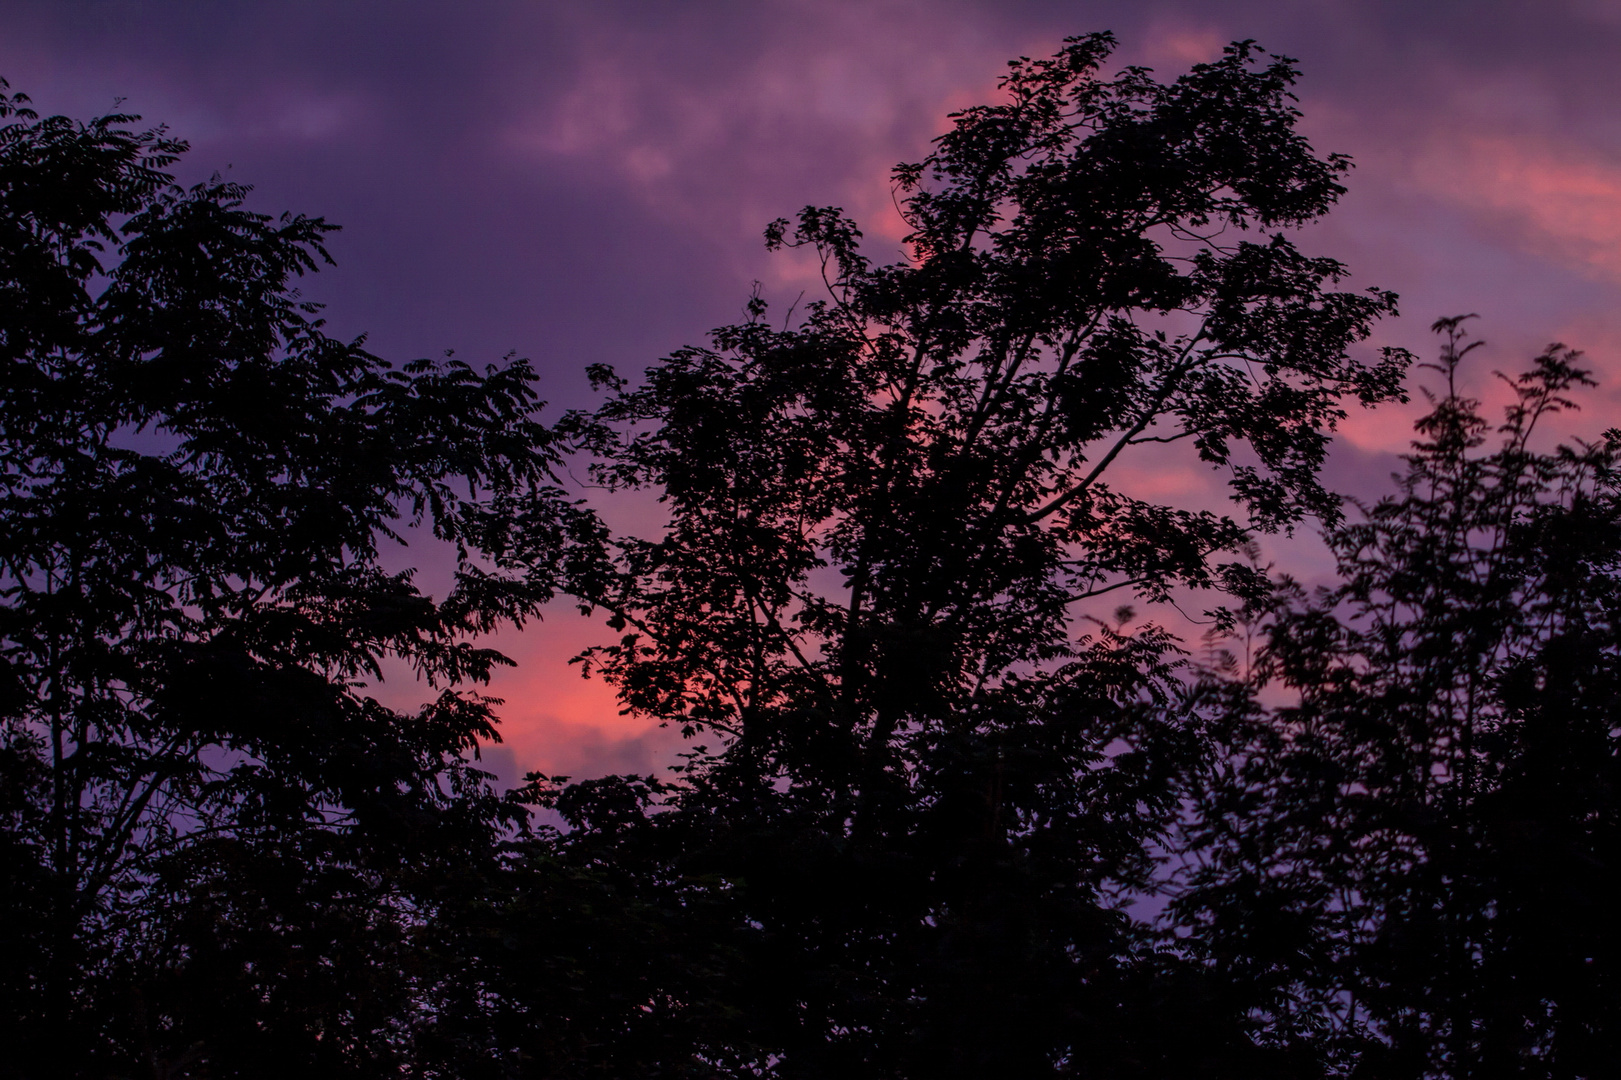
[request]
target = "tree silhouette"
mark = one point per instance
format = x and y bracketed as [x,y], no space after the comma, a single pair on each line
[934,776]
[1407,870]
[215,845]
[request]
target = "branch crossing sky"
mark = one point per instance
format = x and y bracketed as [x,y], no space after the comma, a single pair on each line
[585,183]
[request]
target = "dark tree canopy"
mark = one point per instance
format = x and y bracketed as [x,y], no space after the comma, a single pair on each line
[208,829]
[932,776]
[1097,271]
[1409,872]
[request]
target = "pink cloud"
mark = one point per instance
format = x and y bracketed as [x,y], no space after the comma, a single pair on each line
[555,721]
[1558,201]
[1174,44]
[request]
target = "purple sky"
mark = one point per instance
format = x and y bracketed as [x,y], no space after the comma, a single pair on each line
[584,182]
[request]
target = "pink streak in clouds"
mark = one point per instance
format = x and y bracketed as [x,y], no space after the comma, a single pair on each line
[1560,202]
[556,722]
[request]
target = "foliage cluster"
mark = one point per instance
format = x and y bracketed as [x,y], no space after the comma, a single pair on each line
[212,839]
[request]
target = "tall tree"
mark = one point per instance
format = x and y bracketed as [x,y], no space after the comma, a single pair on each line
[215,844]
[1406,869]
[933,775]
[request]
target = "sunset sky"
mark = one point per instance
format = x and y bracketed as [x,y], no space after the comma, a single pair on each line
[586,182]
